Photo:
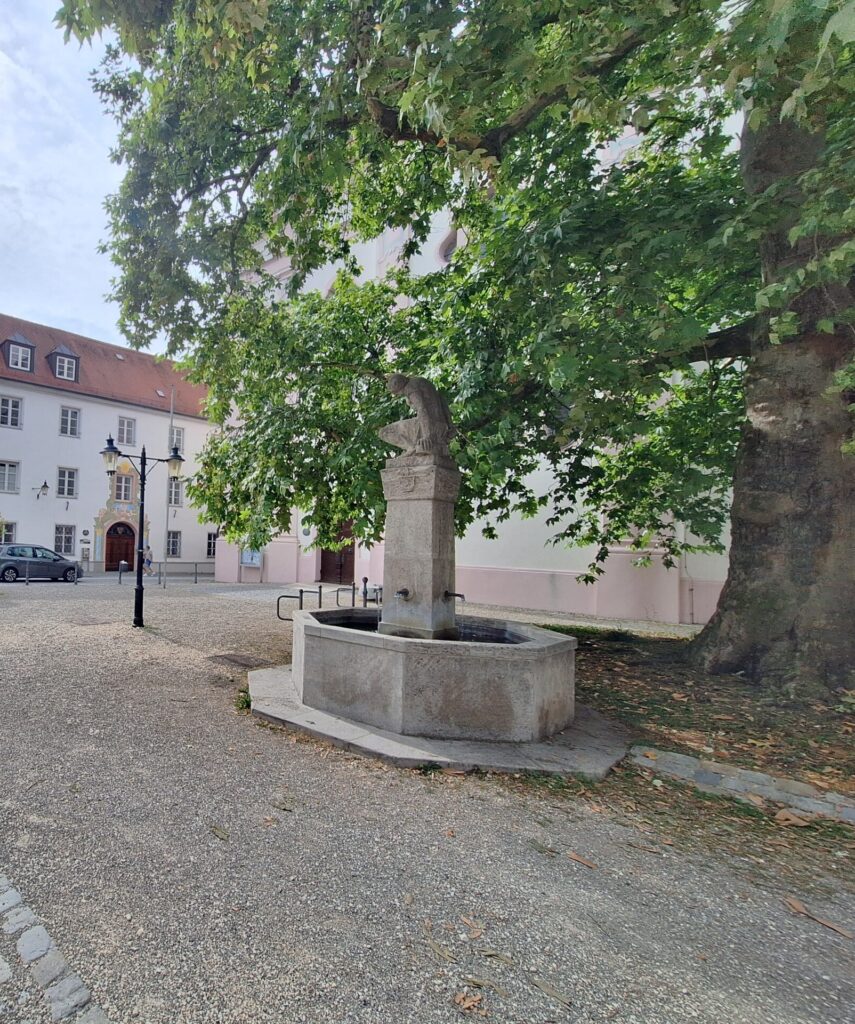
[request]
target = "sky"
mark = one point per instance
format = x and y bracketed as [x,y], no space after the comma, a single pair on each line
[55,172]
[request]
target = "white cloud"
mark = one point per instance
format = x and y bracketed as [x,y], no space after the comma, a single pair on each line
[55,173]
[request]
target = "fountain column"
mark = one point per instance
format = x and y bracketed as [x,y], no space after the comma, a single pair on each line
[418,567]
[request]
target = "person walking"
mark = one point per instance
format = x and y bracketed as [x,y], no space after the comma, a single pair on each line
[147,559]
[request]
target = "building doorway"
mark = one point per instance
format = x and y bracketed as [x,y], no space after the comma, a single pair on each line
[338,566]
[119,547]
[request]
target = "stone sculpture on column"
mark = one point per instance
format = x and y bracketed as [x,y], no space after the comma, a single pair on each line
[421,487]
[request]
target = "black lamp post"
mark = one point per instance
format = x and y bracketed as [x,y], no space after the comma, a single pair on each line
[111,456]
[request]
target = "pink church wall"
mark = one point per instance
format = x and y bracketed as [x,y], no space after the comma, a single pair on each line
[625,591]
[698,599]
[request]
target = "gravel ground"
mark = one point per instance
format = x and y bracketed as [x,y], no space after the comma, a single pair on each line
[193,866]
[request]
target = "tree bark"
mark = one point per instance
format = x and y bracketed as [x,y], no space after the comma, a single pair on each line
[786,615]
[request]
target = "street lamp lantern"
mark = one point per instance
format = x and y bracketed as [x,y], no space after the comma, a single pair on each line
[111,456]
[173,463]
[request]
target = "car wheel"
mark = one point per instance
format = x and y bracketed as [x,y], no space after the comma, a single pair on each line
[10,574]
[70,575]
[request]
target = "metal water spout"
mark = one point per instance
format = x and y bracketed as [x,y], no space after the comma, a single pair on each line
[449,594]
[403,594]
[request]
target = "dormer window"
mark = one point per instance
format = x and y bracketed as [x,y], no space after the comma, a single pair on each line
[66,368]
[20,357]
[64,363]
[19,353]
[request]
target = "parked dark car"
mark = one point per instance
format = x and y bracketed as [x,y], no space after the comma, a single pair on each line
[31,561]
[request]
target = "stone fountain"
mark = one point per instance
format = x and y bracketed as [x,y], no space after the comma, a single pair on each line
[420,684]
[421,669]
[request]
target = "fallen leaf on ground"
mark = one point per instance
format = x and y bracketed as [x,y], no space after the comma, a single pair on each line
[545,987]
[679,696]
[220,833]
[785,817]
[453,771]
[449,832]
[476,929]
[484,983]
[494,954]
[270,821]
[282,805]
[580,860]
[753,798]
[548,850]
[408,899]
[648,849]
[649,754]
[797,907]
[468,1003]
[443,952]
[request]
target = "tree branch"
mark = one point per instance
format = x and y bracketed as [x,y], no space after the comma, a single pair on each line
[734,342]
[492,142]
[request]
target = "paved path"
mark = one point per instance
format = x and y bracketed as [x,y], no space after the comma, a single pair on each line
[191,866]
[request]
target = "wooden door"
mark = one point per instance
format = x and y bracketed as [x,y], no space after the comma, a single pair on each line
[338,566]
[120,547]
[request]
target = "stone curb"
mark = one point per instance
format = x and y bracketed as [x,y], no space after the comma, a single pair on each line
[730,780]
[64,992]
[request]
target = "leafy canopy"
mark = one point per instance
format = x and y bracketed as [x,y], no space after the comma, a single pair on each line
[597,319]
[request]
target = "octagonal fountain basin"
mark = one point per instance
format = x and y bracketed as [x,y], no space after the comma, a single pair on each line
[504,681]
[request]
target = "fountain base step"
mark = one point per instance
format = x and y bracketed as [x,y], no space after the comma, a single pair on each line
[589,748]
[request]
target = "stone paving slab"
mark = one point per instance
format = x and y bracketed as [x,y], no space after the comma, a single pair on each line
[744,783]
[590,748]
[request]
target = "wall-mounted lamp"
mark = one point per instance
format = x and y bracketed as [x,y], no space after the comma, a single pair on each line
[41,492]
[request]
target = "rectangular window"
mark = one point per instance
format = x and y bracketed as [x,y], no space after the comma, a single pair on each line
[20,357]
[127,432]
[66,368]
[69,422]
[10,411]
[66,483]
[173,544]
[63,540]
[176,438]
[124,487]
[9,477]
[212,546]
[176,492]
[7,533]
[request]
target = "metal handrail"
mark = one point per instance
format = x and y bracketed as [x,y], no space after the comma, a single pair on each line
[352,590]
[296,597]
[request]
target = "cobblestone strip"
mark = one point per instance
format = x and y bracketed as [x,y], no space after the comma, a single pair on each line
[729,780]
[65,995]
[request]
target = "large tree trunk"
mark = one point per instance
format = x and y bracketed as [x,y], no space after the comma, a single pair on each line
[786,616]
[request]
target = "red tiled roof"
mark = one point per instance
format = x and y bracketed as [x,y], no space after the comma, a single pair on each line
[104,371]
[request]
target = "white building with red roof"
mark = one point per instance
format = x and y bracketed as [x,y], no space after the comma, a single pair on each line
[61,396]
